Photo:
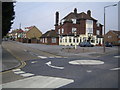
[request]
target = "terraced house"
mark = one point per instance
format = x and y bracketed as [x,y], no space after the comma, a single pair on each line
[78,27]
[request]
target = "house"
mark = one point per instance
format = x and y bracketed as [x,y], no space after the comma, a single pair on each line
[50,38]
[29,35]
[16,34]
[32,32]
[113,37]
[78,27]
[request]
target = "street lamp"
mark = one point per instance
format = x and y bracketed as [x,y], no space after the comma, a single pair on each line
[104,25]
[75,39]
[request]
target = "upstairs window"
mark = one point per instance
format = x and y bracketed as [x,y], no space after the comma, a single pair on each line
[98,24]
[58,31]
[109,36]
[74,21]
[119,36]
[89,26]
[62,21]
[74,29]
[62,30]
[98,32]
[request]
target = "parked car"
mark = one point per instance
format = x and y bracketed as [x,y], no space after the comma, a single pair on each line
[107,44]
[86,44]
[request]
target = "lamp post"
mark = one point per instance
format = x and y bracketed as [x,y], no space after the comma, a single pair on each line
[104,25]
[75,39]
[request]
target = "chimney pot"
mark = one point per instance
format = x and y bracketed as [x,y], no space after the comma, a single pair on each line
[75,10]
[89,13]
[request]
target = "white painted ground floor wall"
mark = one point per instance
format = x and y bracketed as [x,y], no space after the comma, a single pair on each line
[70,40]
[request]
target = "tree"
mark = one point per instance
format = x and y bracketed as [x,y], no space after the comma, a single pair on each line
[8,16]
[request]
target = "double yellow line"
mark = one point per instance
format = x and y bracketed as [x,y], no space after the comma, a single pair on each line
[21,66]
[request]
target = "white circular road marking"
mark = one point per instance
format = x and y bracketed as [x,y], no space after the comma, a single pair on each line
[86,62]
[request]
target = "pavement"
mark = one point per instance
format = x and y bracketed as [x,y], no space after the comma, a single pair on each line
[8,61]
[69,51]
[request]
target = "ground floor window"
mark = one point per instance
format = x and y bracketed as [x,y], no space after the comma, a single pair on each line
[60,40]
[84,39]
[93,40]
[77,40]
[70,40]
[53,40]
[45,40]
[119,41]
[65,40]
[74,40]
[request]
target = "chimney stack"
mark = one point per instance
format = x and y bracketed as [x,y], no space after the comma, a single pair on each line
[75,10]
[57,19]
[89,13]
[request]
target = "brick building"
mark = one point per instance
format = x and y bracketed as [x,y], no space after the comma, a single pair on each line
[81,26]
[50,38]
[32,32]
[16,34]
[113,37]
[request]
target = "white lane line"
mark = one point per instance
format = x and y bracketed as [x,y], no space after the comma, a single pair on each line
[42,57]
[19,72]
[16,70]
[116,56]
[39,82]
[49,64]
[115,68]
[27,74]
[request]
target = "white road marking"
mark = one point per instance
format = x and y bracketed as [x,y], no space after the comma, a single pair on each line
[86,62]
[38,82]
[115,68]
[89,71]
[19,72]
[16,70]
[25,50]
[58,56]
[49,64]
[27,74]
[34,62]
[42,57]
[51,57]
[116,56]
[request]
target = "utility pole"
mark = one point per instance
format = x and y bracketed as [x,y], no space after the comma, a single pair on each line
[20,26]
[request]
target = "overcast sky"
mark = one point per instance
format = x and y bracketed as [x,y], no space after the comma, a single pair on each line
[42,14]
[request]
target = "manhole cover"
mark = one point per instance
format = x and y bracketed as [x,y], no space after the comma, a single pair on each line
[86,62]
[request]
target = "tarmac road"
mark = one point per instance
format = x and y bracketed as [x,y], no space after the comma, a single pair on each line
[45,70]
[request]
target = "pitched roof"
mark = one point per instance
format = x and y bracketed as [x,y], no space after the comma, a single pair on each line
[81,15]
[116,32]
[50,33]
[29,27]
[20,31]
[17,31]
